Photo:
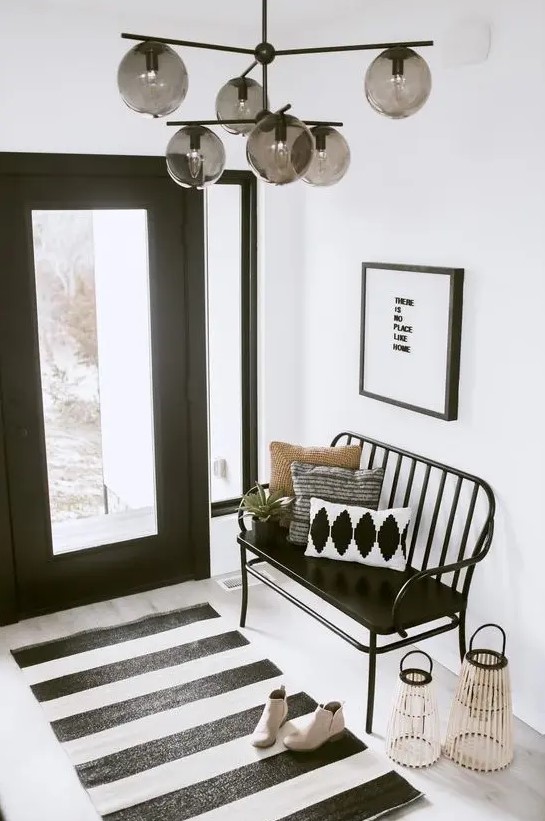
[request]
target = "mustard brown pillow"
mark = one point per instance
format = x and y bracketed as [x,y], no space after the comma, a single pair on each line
[283,454]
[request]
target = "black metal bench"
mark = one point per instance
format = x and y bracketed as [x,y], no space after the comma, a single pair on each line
[451,530]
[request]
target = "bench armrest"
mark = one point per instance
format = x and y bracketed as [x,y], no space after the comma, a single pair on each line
[438,571]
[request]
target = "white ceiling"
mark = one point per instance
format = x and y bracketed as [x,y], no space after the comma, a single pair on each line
[285,16]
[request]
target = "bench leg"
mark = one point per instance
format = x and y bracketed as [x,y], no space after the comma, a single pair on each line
[371,682]
[244,573]
[462,635]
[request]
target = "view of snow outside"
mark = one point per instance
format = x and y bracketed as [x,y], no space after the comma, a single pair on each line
[94,333]
[67,328]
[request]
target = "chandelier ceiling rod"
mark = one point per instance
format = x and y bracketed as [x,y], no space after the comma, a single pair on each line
[264,21]
[267,54]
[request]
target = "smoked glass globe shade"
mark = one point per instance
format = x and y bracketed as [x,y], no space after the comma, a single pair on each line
[152,79]
[239,99]
[330,157]
[279,149]
[195,157]
[398,82]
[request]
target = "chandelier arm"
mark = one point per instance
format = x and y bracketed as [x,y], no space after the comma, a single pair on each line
[236,122]
[208,122]
[188,43]
[322,122]
[249,69]
[361,47]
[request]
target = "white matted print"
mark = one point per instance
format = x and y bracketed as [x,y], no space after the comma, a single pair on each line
[410,336]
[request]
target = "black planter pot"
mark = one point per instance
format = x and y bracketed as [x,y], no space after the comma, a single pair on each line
[264,531]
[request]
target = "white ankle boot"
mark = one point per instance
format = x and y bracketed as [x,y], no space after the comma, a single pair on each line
[272,718]
[325,724]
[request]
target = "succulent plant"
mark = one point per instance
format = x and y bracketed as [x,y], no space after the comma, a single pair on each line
[264,506]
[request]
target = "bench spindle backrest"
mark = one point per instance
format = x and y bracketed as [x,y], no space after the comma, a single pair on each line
[452,511]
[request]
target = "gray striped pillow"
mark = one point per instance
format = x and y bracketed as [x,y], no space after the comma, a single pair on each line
[347,487]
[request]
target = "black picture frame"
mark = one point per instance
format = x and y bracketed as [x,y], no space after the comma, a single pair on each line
[449,411]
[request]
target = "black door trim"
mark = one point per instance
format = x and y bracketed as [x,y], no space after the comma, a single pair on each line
[92,165]
[194,242]
[8,590]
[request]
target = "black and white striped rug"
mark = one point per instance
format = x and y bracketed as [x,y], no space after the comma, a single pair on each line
[155,716]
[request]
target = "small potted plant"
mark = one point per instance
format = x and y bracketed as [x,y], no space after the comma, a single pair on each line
[265,509]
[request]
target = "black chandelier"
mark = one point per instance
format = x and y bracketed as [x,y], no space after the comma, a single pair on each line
[280,148]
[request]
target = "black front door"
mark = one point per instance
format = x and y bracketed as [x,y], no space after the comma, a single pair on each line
[103,377]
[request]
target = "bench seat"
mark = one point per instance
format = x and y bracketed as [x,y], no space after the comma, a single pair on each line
[364,593]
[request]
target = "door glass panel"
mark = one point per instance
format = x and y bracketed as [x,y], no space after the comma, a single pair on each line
[92,288]
[224,340]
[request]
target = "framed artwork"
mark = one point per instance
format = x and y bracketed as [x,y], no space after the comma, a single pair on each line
[411,328]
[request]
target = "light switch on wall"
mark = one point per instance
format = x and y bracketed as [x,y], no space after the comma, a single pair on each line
[219,468]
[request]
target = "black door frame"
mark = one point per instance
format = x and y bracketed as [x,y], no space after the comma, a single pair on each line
[192,259]
[8,591]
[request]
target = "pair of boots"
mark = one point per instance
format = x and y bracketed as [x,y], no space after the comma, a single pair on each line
[325,724]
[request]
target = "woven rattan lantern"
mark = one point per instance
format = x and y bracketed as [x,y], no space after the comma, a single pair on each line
[413,737]
[480,728]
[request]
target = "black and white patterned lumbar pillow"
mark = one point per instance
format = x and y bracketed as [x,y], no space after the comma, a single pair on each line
[348,487]
[357,534]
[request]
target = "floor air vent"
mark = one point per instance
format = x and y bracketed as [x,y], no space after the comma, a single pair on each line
[234,582]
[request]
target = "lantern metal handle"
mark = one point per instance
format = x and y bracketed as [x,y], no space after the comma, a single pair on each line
[412,653]
[478,630]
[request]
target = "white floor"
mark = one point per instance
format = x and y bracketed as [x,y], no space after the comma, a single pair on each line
[108,528]
[37,782]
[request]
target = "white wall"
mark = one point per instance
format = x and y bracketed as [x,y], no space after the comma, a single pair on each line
[124,355]
[460,184]
[62,92]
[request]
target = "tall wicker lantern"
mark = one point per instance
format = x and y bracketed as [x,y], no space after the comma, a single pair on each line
[413,737]
[480,728]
